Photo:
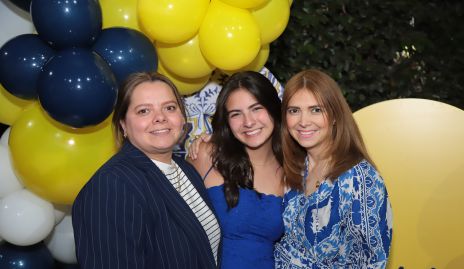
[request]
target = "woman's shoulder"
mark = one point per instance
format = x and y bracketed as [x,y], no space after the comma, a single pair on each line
[213,179]
[205,150]
[203,162]
[367,170]
[119,173]
[363,172]
[360,167]
[119,164]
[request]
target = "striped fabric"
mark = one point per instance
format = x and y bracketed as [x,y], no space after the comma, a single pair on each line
[190,195]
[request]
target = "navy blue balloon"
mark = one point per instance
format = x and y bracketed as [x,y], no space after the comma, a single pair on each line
[77,88]
[126,51]
[29,257]
[21,60]
[67,23]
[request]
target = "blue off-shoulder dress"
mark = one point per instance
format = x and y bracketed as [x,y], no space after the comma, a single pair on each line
[250,229]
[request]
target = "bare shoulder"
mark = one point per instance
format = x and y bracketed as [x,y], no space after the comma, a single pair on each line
[203,164]
[203,161]
[214,178]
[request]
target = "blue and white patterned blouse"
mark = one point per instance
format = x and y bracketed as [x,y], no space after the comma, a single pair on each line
[344,224]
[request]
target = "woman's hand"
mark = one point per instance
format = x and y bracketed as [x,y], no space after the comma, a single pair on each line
[195,145]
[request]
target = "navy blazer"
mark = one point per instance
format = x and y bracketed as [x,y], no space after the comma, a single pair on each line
[130,216]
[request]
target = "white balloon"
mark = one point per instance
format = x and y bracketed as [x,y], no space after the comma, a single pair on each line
[61,211]
[25,218]
[5,137]
[8,181]
[61,242]
[19,22]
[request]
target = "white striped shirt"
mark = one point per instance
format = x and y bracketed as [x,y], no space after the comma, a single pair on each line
[191,196]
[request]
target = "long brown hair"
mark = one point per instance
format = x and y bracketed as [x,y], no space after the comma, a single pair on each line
[125,94]
[345,147]
[229,156]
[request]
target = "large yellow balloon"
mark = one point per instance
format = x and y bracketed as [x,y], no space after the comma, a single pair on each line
[11,106]
[119,13]
[171,21]
[256,65]
[272,19]
[245,3]
[229,36]
[418,147]
[55,161]
[185,59]
[186,86]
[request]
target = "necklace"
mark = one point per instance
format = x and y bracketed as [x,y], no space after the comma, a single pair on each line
[316,215]
[318,178]
[176,179]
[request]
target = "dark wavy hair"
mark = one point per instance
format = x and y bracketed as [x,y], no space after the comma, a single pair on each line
[229,156]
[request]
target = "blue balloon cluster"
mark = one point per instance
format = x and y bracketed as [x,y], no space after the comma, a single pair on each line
[72,65]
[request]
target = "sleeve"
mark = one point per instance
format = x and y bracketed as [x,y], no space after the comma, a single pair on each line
[108,225]
[371,216]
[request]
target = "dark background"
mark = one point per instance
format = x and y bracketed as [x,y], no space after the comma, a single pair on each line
[377,50]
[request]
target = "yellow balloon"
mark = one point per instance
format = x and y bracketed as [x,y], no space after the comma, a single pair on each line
[119,13]
[272,19]
[245,3]
[171,21]
[55,161]
[11,106]
[417,146]
[186,86]
[256,65]
[229,36]
[185,59]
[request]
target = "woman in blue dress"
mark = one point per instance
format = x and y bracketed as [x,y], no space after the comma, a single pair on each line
[337,213]
[242,169]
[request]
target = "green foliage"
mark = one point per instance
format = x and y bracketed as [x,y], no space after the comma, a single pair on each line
[377,50]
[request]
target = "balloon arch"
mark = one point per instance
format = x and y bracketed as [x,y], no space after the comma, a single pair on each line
[60,68]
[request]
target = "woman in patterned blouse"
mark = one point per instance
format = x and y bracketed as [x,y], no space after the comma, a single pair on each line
[337,214]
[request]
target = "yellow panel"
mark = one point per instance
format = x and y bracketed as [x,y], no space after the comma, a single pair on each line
[418,147]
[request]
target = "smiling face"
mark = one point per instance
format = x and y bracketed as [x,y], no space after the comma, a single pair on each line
[154,121]
[306,121]
[249,121]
